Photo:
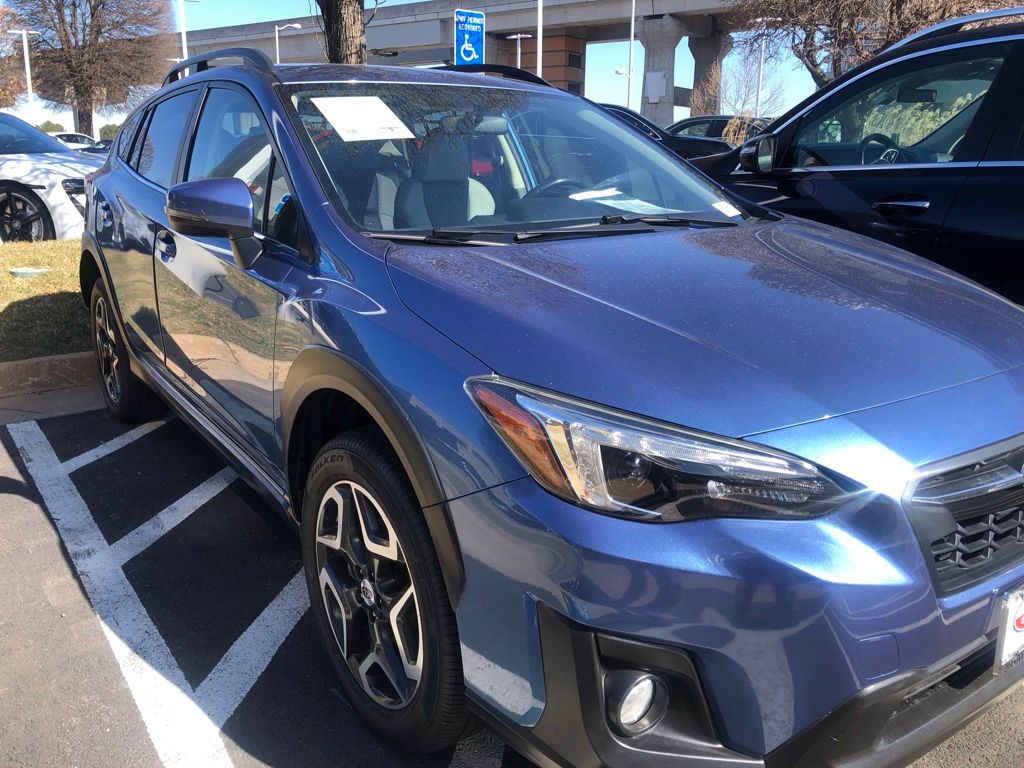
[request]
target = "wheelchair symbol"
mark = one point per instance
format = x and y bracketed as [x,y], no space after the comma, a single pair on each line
[467,51]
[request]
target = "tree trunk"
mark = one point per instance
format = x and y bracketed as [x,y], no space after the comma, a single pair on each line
[83,113]
[344,31]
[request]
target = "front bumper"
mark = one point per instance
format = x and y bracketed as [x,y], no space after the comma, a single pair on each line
[886,725]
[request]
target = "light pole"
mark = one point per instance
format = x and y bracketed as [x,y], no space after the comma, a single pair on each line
[519,37]
[540,38]
[760,80]
[277,39]
[28,64]
[181,19]
[632,34]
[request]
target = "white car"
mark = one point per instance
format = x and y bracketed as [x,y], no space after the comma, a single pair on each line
[42,184]
[74,140]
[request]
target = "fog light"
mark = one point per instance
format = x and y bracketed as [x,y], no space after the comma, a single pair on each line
[636,701]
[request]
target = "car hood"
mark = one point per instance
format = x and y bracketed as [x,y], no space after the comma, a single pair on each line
[38,167]
[733,331]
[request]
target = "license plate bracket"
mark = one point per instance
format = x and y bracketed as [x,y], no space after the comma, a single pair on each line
[1010,648]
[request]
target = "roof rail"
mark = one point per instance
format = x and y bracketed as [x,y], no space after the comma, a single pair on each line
[955,25]
[512,73]
[200,63]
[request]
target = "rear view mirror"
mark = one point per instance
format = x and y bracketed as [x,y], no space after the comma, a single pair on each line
[216,208]
[758,154]
[916,96]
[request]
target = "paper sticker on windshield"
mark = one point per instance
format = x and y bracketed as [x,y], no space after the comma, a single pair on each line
[727,208]
[361,118]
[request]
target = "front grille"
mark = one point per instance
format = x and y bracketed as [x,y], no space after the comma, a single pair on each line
[979,539]
[971,518]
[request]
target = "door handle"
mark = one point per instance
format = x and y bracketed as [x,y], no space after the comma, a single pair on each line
[165,246]
[896,207]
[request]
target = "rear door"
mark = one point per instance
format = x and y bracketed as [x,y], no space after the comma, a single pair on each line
[984,233]
[219,319]
[130,213]
[887,154]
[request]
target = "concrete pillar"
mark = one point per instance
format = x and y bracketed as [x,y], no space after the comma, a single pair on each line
[708,53]
[659,36]
[498,50]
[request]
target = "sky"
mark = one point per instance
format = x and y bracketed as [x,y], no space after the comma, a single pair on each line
[602,59]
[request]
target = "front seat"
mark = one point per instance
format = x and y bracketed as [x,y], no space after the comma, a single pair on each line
[440,192]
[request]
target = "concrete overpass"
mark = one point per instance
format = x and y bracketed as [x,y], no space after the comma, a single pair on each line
[422,33]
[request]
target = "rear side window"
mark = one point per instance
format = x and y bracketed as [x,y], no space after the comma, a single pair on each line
[127,134]
[159,148]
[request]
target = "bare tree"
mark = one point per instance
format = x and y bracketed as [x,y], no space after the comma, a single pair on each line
[12,78]
[830,37]
[89,52]
[706,94]
[344,26]
[740,86]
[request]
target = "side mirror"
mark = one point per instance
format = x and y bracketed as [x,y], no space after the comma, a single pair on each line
[757,155]
[216,208]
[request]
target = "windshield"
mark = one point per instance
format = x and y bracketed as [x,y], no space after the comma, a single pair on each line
[18,138]
[416,158]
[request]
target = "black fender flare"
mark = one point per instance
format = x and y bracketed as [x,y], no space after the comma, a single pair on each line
[318,368]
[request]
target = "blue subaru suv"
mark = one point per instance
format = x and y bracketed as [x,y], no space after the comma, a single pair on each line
[577,443]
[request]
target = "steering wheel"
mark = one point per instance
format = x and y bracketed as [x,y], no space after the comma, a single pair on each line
[544,190]
[892,153]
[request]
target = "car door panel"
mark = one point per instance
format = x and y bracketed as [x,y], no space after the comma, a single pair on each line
[219,319]
[838,165]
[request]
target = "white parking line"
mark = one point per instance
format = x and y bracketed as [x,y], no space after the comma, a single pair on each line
[129,546]
[183,724]
[225,687]
[110,446]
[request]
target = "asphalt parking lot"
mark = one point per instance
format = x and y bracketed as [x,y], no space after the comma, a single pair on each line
[152,612]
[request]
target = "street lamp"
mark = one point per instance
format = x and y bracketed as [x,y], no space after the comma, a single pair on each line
[28,65]
[540,38]
[629,73]
[277,39]
[519,37]
[181,17]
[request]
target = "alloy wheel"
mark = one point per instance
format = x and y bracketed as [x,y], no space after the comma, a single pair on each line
[20,218]
[369,594]
[106,349]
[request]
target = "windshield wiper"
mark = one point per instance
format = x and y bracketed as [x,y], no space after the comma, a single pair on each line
[563,233]
[440,237]
[666,221]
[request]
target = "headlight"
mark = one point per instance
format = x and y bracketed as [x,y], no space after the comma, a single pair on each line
[633,467]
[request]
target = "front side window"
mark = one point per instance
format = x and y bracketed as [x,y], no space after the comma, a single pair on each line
[158,151]
[230,141]
[416,157]
[920,113]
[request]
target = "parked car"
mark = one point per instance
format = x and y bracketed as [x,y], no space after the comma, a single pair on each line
[920,146]
[684,146]
[101,147]
[732,129]
[74,140]
[576,440]
[42,186]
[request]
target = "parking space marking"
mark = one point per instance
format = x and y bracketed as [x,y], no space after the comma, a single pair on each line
[141,538]
[183,724]
[110,446]
[226,685]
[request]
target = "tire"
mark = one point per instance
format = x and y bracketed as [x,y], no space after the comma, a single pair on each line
[374,577]
[128,398]
[23,215]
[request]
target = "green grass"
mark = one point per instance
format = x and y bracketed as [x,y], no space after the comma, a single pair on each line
[41,315]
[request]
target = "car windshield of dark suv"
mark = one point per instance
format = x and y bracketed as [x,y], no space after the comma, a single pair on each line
[416,159]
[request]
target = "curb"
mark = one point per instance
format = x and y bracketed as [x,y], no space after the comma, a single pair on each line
[41,374]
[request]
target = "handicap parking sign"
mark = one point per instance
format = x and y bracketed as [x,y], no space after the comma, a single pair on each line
[469,37]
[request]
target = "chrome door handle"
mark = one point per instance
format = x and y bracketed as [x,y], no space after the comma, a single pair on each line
[913,207]
[165,246]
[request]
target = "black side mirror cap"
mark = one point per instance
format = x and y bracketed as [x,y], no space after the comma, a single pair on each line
[757,155]
[219,207]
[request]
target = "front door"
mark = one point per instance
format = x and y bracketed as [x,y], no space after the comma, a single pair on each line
[219,319]
[887,154]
